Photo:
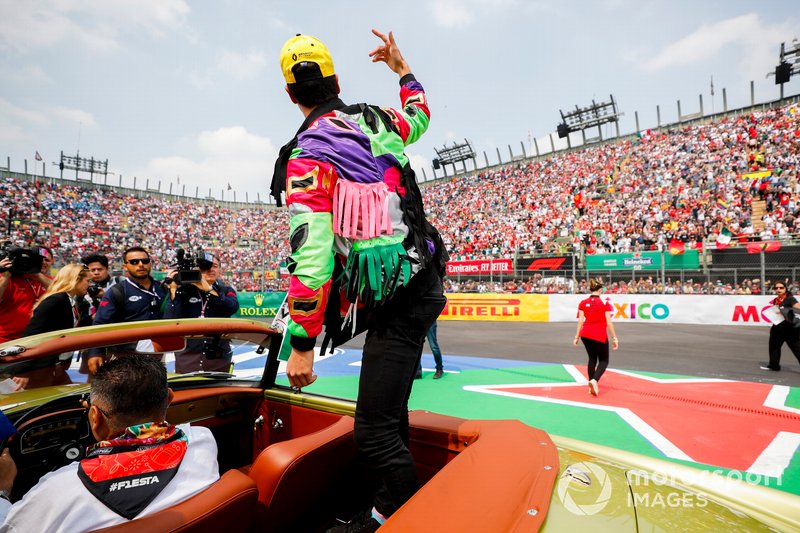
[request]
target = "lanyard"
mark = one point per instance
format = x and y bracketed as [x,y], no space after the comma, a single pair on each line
[150,292]
[36,291]
[204,297]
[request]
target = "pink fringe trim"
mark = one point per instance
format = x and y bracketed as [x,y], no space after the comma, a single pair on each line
[361,210]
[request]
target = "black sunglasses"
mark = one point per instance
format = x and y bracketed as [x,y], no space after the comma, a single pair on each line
[87,403]
[779,287]
[145,261]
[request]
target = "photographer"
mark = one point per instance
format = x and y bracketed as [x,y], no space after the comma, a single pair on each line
[207,298]
[21,284]
[100,278]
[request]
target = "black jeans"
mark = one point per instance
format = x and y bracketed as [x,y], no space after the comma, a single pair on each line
[598,357]
[395,333]
[778,334]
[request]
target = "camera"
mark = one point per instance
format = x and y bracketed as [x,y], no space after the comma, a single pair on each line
[188,266]
[23,260]
[94,290]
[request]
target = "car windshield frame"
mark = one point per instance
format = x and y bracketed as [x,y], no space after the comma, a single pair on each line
[263,337]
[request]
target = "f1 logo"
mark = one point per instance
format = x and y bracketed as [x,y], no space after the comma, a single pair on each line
[551,263]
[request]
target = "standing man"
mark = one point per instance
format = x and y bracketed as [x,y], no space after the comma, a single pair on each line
[210,298]
[433,342]
[360,243]
[137,297]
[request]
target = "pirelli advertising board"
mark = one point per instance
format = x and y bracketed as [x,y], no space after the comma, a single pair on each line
[499,307]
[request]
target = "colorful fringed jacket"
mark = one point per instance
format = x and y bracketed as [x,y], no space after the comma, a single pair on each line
[357,222]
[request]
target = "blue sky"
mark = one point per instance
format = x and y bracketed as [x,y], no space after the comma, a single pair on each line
[171,89]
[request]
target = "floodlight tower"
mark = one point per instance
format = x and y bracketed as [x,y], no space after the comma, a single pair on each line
[82,164]
[450,155]
[788,64]
[587,117]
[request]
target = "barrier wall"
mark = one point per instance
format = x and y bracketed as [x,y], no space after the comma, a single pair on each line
[672,309]
[502,307]
[638,308]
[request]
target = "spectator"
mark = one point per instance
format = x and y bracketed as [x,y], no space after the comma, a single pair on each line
[62,306]
[18,293]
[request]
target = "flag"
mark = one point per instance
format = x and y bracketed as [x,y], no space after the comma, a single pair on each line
[38,156]
[723,239]
[696,246]
[767,246]
[722,204]
[676,247]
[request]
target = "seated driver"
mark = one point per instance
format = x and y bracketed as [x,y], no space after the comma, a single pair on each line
[140,464]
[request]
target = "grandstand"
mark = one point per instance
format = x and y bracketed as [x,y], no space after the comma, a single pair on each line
[685,183]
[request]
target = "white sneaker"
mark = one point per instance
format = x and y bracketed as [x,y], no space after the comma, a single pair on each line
[593,388]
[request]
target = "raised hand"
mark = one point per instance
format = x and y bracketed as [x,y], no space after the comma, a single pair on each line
[390,54]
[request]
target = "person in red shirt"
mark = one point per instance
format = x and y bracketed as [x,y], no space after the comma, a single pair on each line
[594,322]
[18,293]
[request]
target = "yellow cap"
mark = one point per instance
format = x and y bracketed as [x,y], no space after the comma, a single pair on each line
[305,49]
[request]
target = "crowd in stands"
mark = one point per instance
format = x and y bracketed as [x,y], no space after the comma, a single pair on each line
[682,183]
[75,220]
[679,183]
[538,284]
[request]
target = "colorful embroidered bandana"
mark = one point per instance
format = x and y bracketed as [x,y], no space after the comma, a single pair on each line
[127,473]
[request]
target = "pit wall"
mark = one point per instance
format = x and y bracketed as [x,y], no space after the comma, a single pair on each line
[631,308]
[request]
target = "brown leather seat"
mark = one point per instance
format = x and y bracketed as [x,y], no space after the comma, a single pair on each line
[228,505]
[298,478]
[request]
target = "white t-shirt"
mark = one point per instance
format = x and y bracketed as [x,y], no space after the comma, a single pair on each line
[60,502]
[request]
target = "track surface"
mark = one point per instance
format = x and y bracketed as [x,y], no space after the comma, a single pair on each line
[749,424]
[727,352]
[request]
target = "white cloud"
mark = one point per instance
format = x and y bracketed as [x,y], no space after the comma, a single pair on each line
[704,42]
[29,74]
[227,155]
[452,13]
[11,133]
[463,13]
[755,40]
[74,115]
[10,113]
[241,66]
[94,24]
[19,124]
[418,163]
